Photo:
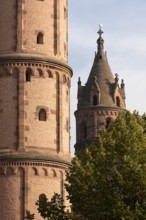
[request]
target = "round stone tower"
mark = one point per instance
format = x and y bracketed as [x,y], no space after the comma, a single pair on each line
[34,103]
[100,100]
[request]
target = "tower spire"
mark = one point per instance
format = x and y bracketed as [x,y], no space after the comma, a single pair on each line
[99,100]
[100,40]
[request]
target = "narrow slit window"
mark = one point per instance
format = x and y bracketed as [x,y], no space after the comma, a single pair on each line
[118,101]
[40,38]
[94,100]
[42,115]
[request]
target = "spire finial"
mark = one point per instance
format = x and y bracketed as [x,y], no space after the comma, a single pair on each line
[116,78]
[100,40]
[100,32]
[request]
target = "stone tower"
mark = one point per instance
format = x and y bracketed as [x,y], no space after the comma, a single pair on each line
[100,100]
[34,103]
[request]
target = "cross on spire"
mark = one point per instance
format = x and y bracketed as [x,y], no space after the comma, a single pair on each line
[100,32]
[100,40]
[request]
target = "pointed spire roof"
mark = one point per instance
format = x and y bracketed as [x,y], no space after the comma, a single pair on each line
[102,75]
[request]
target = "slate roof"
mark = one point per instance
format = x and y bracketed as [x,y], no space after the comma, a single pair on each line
[102,78]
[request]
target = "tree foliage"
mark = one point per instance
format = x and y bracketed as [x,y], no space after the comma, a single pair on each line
[108,180]
[29,216]
[50,210]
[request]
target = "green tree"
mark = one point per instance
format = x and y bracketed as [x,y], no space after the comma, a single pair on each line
[108,180]
[50,210]
[29,216]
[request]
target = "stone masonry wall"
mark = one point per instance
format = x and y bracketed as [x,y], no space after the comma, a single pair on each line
[11,194]
[42,92]
[48,89]
[90,120]
[22,183]
[21,21]
[8,109]
[8,25]
[43,13]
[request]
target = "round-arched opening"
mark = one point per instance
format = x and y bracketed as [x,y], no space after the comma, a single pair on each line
[42,115]
[28,74]
[40,38]
[108,121]
[42,197]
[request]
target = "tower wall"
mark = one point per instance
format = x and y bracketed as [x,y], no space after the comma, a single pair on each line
[8,109]
[8,23]
[21,102]
[36,179]
[50,92]
[19,29]
[12,195]
[94,119]
[34,104]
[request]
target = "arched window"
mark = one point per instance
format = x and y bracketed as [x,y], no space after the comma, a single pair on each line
[118,101]
[50,74]
[42,115]
[94,100]
[64,79]
[40,38]
[108,121]
[40,72]
[42,197]
[28,75]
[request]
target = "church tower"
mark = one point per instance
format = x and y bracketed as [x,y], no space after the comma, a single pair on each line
[34,103]
[99,100]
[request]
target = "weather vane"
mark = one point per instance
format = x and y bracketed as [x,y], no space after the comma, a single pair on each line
[100,26]
[100,32]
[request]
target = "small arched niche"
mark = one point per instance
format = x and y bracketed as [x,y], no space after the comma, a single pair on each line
[35,171]
[10,171]
[50,75]
[28,74]
[64,79]
[40,38]
[40,72]
[107,122]
[42,115]
[53,173]
[45,172]
[15,72]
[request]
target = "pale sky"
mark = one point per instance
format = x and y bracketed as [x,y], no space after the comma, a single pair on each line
[124,25]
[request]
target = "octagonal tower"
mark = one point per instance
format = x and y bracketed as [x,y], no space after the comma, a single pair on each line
[99,100]
[34,103]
